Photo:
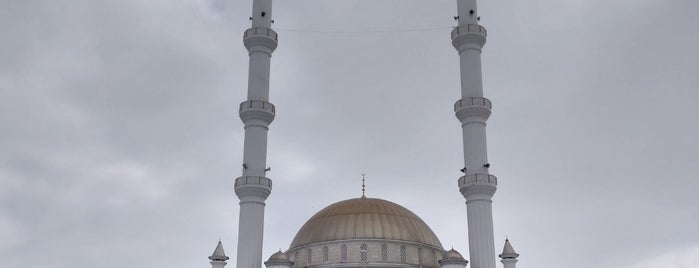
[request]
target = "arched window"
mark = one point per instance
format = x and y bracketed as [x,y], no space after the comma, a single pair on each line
[325,254]
[296,256]
[364,257]
[309,256]
[384,252]
[343,253]
[419,255]
[403,254]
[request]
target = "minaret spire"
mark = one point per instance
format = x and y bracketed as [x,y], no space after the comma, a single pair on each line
[257,113]
[473,110]
[508,256]
[218,258]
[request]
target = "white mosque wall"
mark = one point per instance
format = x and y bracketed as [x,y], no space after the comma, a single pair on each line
[396,254]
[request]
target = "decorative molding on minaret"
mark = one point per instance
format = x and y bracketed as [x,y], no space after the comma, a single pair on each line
[218,258]
[508,256]
[473,110]
[257,113]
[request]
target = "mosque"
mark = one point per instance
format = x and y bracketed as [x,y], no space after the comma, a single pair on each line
[366,232]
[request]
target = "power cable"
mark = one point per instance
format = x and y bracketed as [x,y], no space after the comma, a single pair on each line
[362,31]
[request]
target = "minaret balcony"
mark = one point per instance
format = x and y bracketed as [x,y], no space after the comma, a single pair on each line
[253,181]
[477,178]
[468,36]
[478,185]
[253,186]
[473,107]
[257,110]
[260,38]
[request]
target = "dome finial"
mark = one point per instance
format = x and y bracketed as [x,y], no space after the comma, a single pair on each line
[363,185]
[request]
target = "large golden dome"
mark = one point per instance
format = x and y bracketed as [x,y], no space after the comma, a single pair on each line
[365,218]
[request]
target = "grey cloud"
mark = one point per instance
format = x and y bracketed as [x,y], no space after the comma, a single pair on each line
[120,137]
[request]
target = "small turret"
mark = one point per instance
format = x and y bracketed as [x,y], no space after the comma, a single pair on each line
[508,256]
[453,259]
[218,258]
[279,260]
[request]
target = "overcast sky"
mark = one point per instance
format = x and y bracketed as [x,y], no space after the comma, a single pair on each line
[120,137]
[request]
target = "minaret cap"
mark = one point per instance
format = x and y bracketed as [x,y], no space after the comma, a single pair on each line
[219,254]
[508,252]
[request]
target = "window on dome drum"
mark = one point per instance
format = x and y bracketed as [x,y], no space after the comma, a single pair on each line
[309,254]
[343,253]
[384,252]
[325,254]
[363,253]
[296,256]
[403,254]
[419,255]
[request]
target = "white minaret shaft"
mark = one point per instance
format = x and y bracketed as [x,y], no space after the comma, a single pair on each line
[253,187]
[473,110]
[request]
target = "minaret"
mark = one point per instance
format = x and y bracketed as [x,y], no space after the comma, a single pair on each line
[218,258]
[508,256]
[253,187]
[477,185]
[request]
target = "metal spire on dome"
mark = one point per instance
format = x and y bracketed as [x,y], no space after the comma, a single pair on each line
[363,185]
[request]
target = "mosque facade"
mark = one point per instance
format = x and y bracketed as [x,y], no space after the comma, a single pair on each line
[366,232]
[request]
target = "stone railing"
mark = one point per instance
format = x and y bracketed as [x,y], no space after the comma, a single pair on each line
[253,181]
[468,28]
[257,105]
[473,101]
[260,31]
[477,178]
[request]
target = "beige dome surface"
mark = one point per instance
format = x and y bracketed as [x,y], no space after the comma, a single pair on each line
[365,218]
[453,254]
[279,256]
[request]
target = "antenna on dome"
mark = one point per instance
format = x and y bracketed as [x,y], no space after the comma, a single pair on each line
[363,185]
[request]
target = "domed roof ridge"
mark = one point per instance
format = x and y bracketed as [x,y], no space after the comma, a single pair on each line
[365,218]
[279,256]
[453,254]
[453,257]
